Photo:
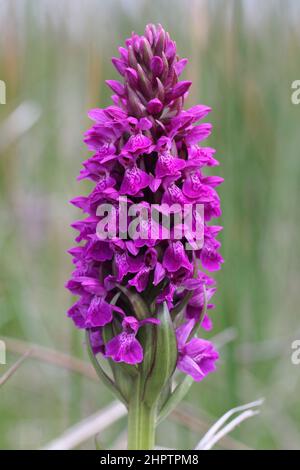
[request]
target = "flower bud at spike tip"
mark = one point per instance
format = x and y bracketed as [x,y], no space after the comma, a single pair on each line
[154,106]
[142,296]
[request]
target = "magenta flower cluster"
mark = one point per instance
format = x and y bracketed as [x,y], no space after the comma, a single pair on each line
[147,147]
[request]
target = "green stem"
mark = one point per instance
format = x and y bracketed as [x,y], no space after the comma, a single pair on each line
[141,421]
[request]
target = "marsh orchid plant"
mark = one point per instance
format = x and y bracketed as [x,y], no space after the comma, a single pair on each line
[143,298]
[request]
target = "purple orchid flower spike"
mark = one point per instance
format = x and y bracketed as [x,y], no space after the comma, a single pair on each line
[141,285]
[197,356]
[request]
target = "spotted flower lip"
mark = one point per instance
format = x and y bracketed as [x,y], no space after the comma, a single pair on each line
[175,258]
[134,180]
[125,347]
[138,143]
[146,148]
[167,165]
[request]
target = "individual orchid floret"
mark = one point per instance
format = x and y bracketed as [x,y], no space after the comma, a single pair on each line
[197,356]
[125,347]
[134,180]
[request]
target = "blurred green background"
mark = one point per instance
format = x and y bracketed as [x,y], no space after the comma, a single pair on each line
[243,57]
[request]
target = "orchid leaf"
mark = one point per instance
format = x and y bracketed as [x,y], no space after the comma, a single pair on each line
[137,303]
[176,397]
[164,356]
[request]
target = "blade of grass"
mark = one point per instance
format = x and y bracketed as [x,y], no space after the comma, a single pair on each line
[88,428]
[12,370]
